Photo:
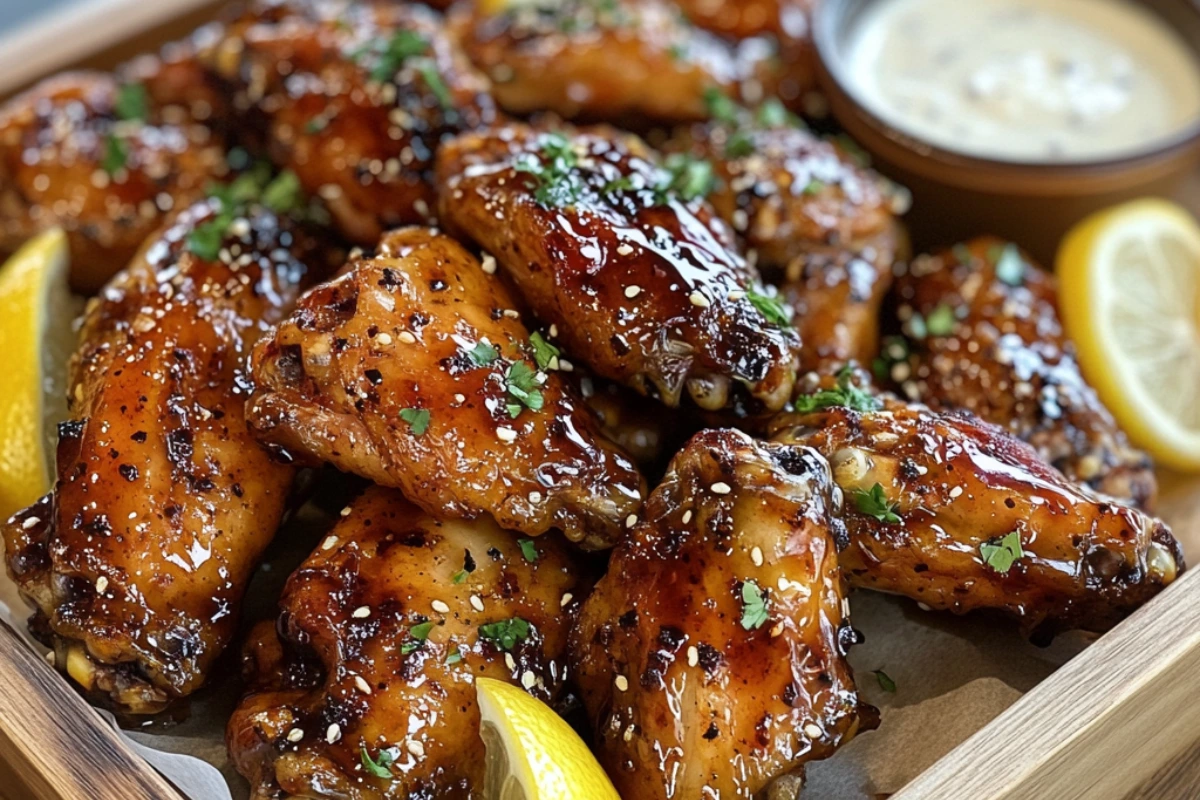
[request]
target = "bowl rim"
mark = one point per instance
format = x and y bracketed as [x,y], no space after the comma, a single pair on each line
[830,68]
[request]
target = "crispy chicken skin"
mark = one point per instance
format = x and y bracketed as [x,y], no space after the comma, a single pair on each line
[990,341]
[138,561]
[630,60]
[951,484]
[387,575]
[693,690]
[99,157]
[644,284]
[401,333]
[354,98]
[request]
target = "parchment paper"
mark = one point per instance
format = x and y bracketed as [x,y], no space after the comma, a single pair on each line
[952,676]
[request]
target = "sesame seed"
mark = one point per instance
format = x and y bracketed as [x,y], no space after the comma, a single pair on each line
[698,299]
[813,731]
[756,556]
[528,679]
[361,684]
[622,683]
[333,733]
[628,734]
[564,365]
[362,612]
[687,516]
[631,520]
[489,264]
[693,655]
[476,603]
[329,543]
[101,584]
[632,291]
[510,662]
[737,294]
[955,492]
[406,337]
[506,435]
[624,249]
[778,629]
[384,339]
[460,398]
[782,583]
[416,748]
[31,522]
[440,607]
[720,487]
[566,600]
[535,497]
[924,607]
[295,735]
[346,511]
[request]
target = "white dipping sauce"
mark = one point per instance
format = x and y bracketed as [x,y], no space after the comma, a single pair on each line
[1025,80]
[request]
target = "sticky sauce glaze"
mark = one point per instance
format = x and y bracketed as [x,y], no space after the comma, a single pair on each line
[1025,80]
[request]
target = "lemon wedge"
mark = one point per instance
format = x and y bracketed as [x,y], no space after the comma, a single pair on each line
[532,753]
[1129,281]
[36,312]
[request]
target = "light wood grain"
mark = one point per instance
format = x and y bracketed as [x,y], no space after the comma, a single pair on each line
[55,746]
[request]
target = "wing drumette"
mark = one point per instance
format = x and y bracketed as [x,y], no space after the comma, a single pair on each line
[138,560]
[414,369]
[385,628]
[711,656]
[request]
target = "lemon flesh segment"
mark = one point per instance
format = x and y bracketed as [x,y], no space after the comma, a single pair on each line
[532,753]
[1130,297]
[36,311]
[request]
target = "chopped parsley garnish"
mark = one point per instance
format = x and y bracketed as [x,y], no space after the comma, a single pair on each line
[720,106]
[940,321]
[686,177]
[814,186]
[621,184]
[454,657]
[846,394]
[393,53]
[316,125]
[483,354]
[283,194]
[419,634]
[381,766]
[754,606]
[556,183]
[773,114]
[417,419]
[885,681]
[545,354]
[206,239]
[874,503]
[528,549]
[507,633]
[1010,267]
[458,577]
[770,306]
[116,153]
[433,80]
[522,382]
[739,145]
[132,102]
[1002,552]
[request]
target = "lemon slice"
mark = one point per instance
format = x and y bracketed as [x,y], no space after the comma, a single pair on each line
[532,753]
[36,311]
[1130,298]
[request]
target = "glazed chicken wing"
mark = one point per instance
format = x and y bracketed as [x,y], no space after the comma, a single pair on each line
[138,560]
[983,334]
[711,657]
[414,369]
[385,628]
[601,60]
[100,157]
[354,98]
[624,257]
[959,515]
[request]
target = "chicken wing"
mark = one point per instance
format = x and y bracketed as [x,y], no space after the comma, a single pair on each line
[625,257]
[601,60]
[959,515]
[138,560]
[711,657]
[100,157]
[414,369]
[983,334]
[354,98]
[400,613]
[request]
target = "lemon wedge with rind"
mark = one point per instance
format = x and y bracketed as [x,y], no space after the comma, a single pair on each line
[532,753]
[1130,297]
[36,312]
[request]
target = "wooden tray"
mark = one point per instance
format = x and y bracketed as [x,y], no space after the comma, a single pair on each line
[1118,722]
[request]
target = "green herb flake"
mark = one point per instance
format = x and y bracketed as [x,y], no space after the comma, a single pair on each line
[283,194]
[885,681]
[417,419]
[483,354]
[555,182]
[940,321]
[522,382]
[720,106]
[962,253]
[381,766]
[205,240]
[814,186]
[754,606]
[505,634]
[419,633]
[528,549]
[1002,552]
[132,102]
[545,354]
[435,83]
[739,145]
[454,657]
[116,153]
[1010,267]
[403,45]
[459,577]
[773,114]
[846,394]
[771,307]
[686,177]
[874,503]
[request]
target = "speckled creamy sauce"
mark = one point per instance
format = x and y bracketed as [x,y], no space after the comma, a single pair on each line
[1025,80]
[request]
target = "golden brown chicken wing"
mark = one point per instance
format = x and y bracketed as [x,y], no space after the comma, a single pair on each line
[353,97]
[983,334]
[414,369]
[138,560]
[711,656]
[385,628]
[100,157]
[957,514]
[625,257]
[629,60]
